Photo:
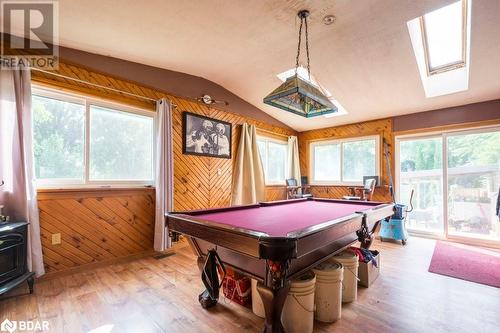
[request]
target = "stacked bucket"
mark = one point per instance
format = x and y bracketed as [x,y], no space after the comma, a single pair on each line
[317,294]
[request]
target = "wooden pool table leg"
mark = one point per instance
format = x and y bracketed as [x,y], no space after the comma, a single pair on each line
[273,295]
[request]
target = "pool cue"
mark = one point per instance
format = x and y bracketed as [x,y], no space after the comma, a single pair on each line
[389,170]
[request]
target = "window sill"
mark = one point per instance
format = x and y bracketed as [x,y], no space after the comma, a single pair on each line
[336,184]
[344,185]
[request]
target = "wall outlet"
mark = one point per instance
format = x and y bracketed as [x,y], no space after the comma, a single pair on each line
[56,239]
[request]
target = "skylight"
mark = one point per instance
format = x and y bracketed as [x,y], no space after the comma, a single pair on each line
[302,73]
[444,35]
[441,43]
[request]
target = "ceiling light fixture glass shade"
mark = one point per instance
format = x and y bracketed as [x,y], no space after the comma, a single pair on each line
[297,95]
[300,97]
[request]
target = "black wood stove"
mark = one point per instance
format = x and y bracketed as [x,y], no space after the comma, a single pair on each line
[13,252]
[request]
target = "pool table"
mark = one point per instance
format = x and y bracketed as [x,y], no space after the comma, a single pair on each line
[274,242]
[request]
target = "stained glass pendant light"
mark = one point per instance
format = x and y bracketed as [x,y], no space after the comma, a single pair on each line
[297,95]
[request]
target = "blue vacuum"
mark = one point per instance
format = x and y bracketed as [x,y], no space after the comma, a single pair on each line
[395,228]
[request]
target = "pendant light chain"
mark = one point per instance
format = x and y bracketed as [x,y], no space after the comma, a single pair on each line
[299,95]
[298,47]
[302,19]
[307,51]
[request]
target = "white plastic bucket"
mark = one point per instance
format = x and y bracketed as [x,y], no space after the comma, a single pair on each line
[298,311]
[328,292]
[349,260]
[257,305]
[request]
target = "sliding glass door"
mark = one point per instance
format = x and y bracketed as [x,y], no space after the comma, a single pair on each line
[473,180]
[421,170]
[456,179]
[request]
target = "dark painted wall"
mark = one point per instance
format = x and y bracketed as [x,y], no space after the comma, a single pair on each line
[449,116]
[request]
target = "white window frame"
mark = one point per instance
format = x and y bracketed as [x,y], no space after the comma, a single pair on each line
[446,79]
[87,102]
[453,65]
[444,134]
[280,142]
[314,144]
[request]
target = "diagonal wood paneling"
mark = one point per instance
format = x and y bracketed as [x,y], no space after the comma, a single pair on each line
[382,127]
[95,226]
[103,225]
[199,182]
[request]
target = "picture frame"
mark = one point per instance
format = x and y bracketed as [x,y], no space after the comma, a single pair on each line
[204,136]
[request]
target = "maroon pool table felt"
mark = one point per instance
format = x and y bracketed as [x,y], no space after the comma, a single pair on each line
[279,220]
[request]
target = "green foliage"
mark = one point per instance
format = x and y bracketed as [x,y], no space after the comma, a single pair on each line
[120,146]
[58,138]
[474,149]
[358,159]
[418,155]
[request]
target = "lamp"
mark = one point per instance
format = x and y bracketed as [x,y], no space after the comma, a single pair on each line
[297,95]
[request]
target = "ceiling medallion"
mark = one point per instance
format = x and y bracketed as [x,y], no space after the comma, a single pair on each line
[297,95]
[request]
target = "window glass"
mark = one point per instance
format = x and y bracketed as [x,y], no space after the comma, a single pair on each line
[58,139]
[358,160]
[277,158]
[444,29]
[121,145]
[262,144]
[274,157]
[327,162]
[420,170]
[118,148]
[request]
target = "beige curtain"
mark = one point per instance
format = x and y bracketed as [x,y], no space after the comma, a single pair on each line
[18,194]
[164,171]
[248,174]
[293,159]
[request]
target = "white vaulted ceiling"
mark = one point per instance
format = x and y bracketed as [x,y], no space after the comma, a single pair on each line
[365,59]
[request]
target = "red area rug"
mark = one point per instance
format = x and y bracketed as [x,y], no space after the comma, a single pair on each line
[465,262]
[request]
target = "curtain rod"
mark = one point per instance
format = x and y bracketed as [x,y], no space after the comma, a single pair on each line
[271,132]
[97,85]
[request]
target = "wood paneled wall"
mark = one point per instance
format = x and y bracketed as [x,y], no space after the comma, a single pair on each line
[95,225]
[382,127]
[107,224]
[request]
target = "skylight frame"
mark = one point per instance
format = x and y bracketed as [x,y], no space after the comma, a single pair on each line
[453,65]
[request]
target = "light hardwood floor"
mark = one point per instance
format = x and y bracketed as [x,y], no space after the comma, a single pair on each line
[150,295]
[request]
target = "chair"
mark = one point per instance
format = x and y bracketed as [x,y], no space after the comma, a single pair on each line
[294,191]
[362,193]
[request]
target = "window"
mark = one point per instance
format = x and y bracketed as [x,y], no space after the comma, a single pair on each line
[120,145]
[444,37]
[59,139]
[441,43]
[274,156]
[456,177]
[80,141]
[344,162]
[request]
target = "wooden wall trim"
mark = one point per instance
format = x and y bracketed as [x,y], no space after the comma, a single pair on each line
[49,194]
[44,82]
